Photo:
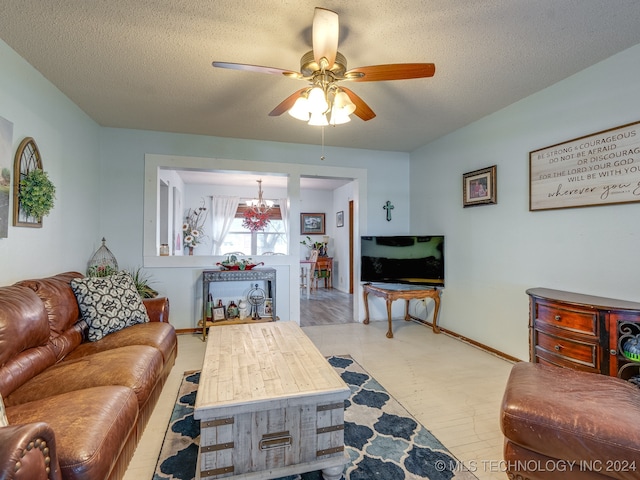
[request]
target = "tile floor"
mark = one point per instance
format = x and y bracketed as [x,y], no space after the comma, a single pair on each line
[452,388]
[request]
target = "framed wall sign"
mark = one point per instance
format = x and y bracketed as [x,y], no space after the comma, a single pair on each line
[598,169]
[312,224]
[340,219]
[479,187]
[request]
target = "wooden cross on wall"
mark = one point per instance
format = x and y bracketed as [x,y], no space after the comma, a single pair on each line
[388,207]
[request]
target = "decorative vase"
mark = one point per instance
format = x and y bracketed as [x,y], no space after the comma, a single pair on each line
[190,250]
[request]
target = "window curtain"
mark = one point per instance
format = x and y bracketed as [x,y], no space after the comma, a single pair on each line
[223,211]
[284,212]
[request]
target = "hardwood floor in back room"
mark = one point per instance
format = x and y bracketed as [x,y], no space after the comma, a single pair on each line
[326,306]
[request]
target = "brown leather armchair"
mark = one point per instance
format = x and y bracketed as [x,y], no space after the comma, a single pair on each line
[566,424]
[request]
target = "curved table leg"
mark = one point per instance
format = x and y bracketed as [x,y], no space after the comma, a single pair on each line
[436,310]
[365,294]
[390,331]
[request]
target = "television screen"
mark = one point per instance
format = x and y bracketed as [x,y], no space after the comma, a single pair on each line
[413,259]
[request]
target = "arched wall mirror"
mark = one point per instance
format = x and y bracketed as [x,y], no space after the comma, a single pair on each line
[27,159]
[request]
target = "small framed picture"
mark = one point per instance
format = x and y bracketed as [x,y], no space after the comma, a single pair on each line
[218,314]
[340,219]
[479,187]
[312,224]
[267,307]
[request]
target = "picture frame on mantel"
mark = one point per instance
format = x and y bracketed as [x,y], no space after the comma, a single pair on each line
[480,187]
[312,224]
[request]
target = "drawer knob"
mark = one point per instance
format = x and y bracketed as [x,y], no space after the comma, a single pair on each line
[558,318]
[558,347]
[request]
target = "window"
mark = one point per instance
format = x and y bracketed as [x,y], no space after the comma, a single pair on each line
[271,239]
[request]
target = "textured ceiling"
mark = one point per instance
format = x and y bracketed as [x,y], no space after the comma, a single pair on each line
[147,64]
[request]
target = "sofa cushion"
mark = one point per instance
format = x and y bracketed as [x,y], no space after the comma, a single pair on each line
[58,298]
[108,304]
[32,329]
[3,415]
[92,426]
[155,334]
[138,367]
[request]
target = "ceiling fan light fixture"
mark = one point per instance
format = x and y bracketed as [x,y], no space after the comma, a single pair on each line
[318,120]
[339,116]
[317,101]
[343,103]
[300,109]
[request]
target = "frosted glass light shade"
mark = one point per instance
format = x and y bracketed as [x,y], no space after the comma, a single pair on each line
[318,119]
[343,102]
[300,109]
[339,116]
[317,101]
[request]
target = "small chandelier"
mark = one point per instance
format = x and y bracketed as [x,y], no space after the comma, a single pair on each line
[256,216]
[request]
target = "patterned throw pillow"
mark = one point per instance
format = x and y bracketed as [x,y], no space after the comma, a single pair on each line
[3,414]
[108,304]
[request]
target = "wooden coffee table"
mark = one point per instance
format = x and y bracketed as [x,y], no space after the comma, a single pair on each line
[269,405]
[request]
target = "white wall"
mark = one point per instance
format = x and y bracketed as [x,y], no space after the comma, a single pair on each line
[123,153]
[68,143]
[495,252]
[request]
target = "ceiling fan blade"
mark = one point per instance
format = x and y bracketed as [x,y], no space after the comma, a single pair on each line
[286,104]
[325,34]
[395,71]
[362,109]
[257,69]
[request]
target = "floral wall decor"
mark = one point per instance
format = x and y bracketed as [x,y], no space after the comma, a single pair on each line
[193,227]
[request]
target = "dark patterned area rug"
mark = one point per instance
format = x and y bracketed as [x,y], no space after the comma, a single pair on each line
[382,439]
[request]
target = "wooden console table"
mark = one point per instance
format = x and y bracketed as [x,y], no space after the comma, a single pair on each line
[393,292]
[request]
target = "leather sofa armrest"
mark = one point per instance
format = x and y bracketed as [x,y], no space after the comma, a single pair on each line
[157,309]
[28,452]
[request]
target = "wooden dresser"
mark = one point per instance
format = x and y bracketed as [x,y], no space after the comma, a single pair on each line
[582,332]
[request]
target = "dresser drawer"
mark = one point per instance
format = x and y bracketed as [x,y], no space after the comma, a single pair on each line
[565,317]
[570,350]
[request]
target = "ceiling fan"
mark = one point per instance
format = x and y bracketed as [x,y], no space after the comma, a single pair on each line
[325,101]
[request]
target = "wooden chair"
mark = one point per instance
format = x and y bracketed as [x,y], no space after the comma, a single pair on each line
[313,258]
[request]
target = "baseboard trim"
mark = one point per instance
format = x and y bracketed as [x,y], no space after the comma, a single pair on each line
[471,342]
[446,331]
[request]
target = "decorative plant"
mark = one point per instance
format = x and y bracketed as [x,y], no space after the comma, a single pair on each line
[36,194]
[193,226]
[142,281]
[310,244]
[101,271]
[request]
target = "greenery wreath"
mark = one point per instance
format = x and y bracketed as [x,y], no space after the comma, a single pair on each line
[36,193]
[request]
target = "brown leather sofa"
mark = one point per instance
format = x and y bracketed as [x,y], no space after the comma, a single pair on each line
[76,409]
[560,423]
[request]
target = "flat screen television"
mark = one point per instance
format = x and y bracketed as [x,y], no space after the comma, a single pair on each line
[411,259]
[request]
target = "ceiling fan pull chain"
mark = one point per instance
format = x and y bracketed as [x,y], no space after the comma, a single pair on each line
[322,156]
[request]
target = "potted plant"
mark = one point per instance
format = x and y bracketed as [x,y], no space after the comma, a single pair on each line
[311,245]
[36,194]
[142,282]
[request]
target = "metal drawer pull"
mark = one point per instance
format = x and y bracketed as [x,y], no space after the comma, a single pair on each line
[558,318]
[275,440]
[558,347]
